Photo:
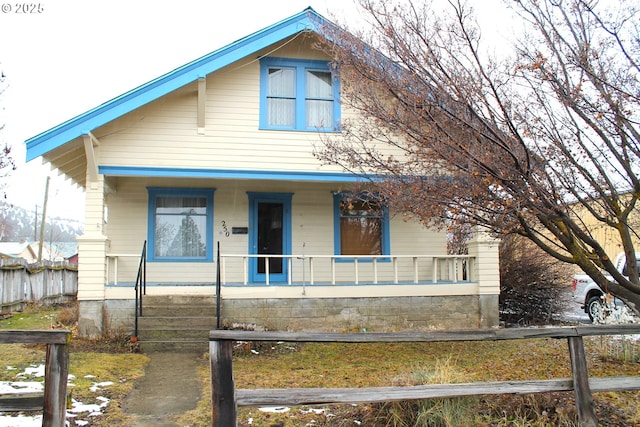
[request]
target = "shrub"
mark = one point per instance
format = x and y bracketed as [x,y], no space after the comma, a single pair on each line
[68,315]
[534,286]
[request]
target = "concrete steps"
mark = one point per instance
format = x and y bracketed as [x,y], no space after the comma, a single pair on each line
[176,323]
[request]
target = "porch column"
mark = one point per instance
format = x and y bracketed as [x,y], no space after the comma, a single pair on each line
[92,250]
[487,273]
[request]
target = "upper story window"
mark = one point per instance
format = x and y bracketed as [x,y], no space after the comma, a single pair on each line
[361,226]
[298,94]
[180,224]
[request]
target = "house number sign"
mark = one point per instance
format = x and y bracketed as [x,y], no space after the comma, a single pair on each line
[234,230]
[225,230]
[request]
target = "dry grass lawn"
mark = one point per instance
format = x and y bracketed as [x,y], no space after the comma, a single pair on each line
[274,365]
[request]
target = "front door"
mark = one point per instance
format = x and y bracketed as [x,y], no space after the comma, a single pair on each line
[269,234]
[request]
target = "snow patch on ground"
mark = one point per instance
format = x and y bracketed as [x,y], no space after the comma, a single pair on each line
[274,409]
[21,421]
[33,371]
[76,416]
[20,387]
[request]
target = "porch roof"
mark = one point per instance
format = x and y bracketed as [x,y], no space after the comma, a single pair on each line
[171,172]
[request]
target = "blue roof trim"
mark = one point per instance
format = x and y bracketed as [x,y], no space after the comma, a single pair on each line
[181,76]
[230,174]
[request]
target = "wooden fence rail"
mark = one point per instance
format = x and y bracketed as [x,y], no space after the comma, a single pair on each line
[56,370]
[226,398]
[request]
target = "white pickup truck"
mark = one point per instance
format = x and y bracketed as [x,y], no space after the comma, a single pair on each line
[589,294]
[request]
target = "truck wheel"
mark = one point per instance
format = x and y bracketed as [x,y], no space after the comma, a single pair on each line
[594,307]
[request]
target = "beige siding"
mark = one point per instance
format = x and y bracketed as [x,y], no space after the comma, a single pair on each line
[608,237]
[91,270]
[92,245]
[165,134]
[487,262]
[312,231]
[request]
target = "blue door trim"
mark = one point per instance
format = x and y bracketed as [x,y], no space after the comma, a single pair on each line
[255,199]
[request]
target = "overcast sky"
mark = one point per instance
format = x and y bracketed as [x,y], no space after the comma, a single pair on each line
[65,57]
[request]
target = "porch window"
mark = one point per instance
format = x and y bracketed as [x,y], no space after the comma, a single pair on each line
[361,226]
[298,95]
[180,224]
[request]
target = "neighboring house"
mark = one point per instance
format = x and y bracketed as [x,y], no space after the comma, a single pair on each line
[56,251]
[65,251]
[220,152]
[18,250]
[72,259]
[606,235]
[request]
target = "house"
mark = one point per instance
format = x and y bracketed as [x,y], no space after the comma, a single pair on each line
[210,168]
[29,251]
[19,250]
[605,235]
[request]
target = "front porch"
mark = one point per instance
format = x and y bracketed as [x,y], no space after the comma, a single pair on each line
[317,292]
[316,270]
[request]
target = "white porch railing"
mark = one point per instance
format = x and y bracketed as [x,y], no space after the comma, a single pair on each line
[112,266]
[329,269]
[351,269]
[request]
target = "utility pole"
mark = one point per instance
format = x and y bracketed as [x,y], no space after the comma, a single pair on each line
[44,216]
[35,227]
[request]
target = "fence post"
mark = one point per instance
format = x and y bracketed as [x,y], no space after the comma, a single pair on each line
[223,390]
[55,385]
[581,389]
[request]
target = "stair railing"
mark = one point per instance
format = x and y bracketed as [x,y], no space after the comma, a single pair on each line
[218,289]
[141,285]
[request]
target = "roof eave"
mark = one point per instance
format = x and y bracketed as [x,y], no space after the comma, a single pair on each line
[307,20]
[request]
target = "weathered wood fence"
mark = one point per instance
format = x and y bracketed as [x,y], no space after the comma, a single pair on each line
[44,282]
[56,370]
[226,398]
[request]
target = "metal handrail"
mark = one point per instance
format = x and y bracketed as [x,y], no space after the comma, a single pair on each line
[141,285]
[218,289]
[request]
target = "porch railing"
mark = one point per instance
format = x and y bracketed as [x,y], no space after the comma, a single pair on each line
[113,264]
[360,269]
[305,269]
[140,286]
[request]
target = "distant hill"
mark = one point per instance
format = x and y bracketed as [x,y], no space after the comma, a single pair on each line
[19,224]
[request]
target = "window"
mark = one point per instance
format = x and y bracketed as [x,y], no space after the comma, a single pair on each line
[361,226]
[180,224]
[298,95]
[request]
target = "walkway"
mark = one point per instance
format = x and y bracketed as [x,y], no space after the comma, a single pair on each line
[170,386]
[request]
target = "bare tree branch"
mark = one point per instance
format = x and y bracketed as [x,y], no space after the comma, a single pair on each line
[531,144]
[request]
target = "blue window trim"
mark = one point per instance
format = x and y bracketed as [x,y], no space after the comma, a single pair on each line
[301,66]
[386,240]
[154,193]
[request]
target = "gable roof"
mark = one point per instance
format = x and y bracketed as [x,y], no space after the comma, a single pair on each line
[307,20]
[15,249]
[29,250]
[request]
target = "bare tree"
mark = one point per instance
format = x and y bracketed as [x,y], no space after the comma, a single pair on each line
[6,161]
[519,145]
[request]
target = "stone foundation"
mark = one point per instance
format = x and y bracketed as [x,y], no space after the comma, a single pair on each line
[91,318]
[364,314]
[96,318]
[321,314]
